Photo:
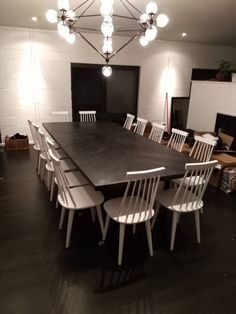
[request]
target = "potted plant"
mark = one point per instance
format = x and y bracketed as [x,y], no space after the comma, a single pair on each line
[225,70]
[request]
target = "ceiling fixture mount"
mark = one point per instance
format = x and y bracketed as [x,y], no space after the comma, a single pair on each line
[144,25]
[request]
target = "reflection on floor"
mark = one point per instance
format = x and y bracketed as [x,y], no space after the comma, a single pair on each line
[38,275]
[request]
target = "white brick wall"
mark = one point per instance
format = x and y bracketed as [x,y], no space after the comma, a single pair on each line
[35,73]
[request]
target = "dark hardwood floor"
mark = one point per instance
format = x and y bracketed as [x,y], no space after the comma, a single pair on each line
[38,275]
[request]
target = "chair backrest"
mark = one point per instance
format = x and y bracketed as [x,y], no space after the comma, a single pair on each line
[34,136]
[51,145]
[62,183]
[128,121]
[87,116]
[60,116]
[202,148]
[157,132]
[140,126]
[45,148]
[177,139]
[140,194]
[193,185]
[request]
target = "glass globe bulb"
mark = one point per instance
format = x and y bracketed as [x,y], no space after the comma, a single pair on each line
[63,5]
[151,8]
[106,8]
[71,14]
[70,38]
[144,18]
[162,20]
[51,16]
[143,41]
[63,30]
[151,33]
[106,70]
[107,29]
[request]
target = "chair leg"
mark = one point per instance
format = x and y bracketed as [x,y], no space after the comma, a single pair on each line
[69,227]
[149,236]
[173,230]
[57,202]
[49,178]
[197,224]
[106,227]
[100,219]
[134,228]
[52,188]
[93,214]
[39,164]
[63,211]
[155,215]
[121,243]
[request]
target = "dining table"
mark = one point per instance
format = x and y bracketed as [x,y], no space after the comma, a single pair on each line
[105,151]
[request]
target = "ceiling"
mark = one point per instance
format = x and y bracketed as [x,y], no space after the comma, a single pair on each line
[208,21]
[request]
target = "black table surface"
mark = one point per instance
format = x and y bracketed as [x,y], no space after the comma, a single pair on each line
[104,151]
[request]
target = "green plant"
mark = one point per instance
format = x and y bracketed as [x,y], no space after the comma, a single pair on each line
[226,68]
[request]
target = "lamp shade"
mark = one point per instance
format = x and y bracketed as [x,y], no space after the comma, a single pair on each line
[162,20]
[51,16]
[106,70]
[63,5]
[151,8]
[151,33]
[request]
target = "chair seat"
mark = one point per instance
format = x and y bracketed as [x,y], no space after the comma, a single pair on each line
[112,207]
[75,178]
[190,181]
[166,198]
[68,165]
[83,197]
[61,154]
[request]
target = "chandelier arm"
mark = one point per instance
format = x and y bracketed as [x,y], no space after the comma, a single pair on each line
[86,9]
[127,30]
[134,7]
[80,5]
[89,43]
[89,29]
[127,8]
[124,17]
[122,47]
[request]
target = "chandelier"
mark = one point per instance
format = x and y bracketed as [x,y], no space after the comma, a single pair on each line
[70,22]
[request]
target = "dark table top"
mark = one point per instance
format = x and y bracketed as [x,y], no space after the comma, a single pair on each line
[104,151]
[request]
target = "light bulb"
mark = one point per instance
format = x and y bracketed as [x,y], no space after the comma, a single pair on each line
[71,14]
[51,16]
[106,70]
[70,38]
[162,20]
[151,33]
[63,30]
[63,5]
[107,45]
[143,41]
[151,8]
[144,18]
[106,8]
[107,29]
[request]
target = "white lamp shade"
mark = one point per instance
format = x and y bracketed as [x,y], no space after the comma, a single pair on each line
[107,45]
[63,5]
[106,70]
[107,29]
[51,16]
[151,33]
[71,14]
[143,41]
[70,38]
[162,20]
[151,8]
[63,30]
[106,8]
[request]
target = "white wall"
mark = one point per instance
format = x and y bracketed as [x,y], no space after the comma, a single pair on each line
[208,98]
[35,73]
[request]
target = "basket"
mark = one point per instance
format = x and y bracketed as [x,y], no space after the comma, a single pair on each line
[16,144]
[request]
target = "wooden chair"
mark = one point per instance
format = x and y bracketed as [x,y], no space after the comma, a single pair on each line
[188,197]
[136,206]
[87,116]
[36,143]
[202,151]
[60,116]
[76,198]
[140,126]
[157,132]
[128,121]
[177,139]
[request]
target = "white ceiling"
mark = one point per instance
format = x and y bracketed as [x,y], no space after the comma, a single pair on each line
[205,21]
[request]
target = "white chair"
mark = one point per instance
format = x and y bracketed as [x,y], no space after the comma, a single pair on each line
[136,206]
[87,116]
[42,157]
[177,139]
[36,143]
[140,126]
[76,198]
[128,121]
[188,197]
[60,116]
[157,132]
[202,151]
